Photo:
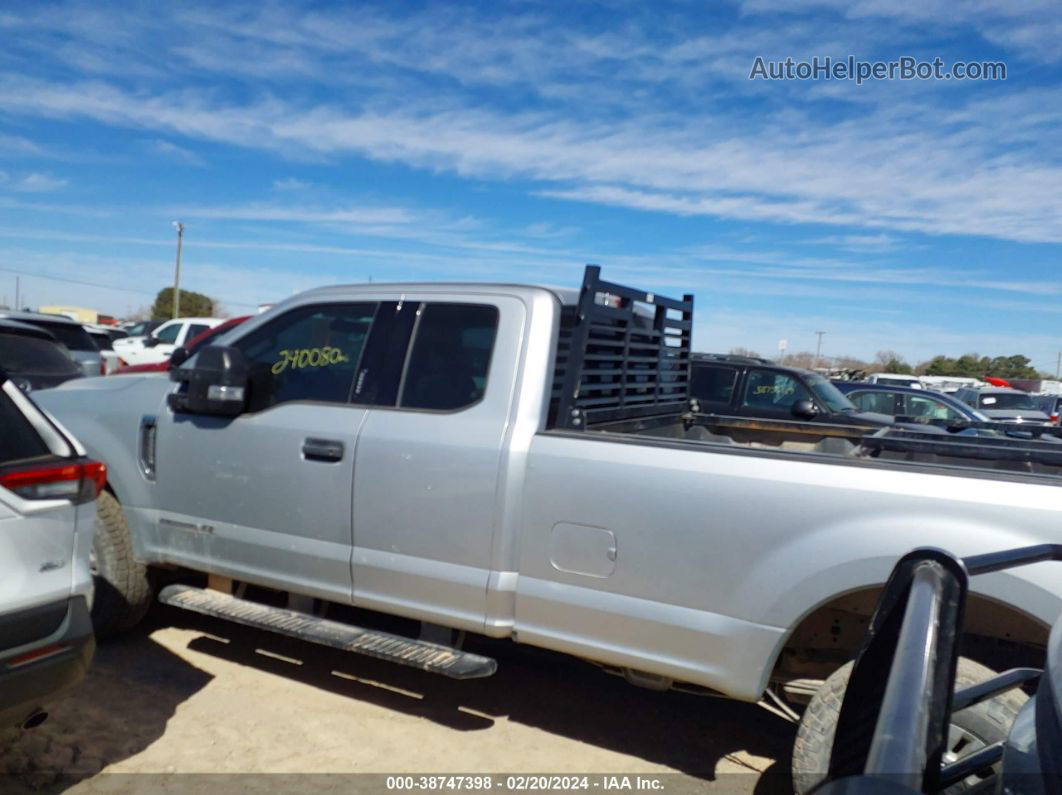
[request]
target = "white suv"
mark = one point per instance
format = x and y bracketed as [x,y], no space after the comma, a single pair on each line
[48,490]
[157,346]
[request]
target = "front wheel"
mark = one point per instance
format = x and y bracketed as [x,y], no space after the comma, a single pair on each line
[123,592]
[971,728]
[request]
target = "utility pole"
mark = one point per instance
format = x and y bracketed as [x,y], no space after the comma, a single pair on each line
[1058,366]
[177,273]
[818,347]
[18,296]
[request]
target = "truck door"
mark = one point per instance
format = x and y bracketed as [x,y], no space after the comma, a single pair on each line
[426,482]
[265,496]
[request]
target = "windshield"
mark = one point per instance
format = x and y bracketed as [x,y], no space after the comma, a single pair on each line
[139,329]
[1007,400]
[829,394]
[20,355]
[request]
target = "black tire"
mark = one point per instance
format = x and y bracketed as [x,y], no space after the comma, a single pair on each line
[123,592]
[972,728]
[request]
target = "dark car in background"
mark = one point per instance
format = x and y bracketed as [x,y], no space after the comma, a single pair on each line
[743,386]
[917,405]
[32,358]
[1004,405]
[68,333]
[104,337]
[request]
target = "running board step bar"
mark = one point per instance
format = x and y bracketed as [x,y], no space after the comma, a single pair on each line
[432,657]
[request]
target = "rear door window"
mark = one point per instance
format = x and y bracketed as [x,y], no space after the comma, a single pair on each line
[71,335]
[713,384]
[309,353]
[20,354]
[19,440]
[449,361]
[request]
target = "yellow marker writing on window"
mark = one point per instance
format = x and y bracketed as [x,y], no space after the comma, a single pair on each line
[298,358]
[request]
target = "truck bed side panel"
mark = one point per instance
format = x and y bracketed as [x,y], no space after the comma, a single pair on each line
[693,562]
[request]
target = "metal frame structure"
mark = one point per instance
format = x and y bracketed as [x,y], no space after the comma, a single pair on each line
[894,719]
[628,355]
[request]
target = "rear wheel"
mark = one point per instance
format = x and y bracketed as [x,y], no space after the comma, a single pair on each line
[971,728]
[123,592]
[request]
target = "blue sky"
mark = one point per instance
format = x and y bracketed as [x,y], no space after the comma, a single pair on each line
[311,144]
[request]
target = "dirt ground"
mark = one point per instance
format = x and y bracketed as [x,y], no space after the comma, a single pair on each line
[186,694]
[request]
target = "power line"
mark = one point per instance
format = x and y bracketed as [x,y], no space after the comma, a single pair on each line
[101,286]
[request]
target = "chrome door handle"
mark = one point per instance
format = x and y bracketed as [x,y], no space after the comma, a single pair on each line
[322,450]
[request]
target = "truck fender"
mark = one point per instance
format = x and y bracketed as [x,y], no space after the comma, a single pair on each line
[819,569]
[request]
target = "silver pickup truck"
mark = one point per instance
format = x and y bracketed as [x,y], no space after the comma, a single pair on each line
[525,462]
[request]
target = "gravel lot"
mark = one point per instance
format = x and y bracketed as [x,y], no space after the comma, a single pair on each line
[188,694]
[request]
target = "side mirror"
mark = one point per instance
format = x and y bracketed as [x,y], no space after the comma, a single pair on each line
[216,385]
[804,410]
[179,356]
[150,342]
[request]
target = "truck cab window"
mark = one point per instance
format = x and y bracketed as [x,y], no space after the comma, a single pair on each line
[448,365]
[309,353]
[168,334]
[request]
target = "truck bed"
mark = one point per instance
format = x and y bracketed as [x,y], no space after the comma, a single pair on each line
[891,448]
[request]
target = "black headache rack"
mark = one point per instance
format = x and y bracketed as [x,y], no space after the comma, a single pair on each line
[623,354]
[893,725]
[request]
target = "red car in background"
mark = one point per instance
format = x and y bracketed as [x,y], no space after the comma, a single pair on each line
[192,346]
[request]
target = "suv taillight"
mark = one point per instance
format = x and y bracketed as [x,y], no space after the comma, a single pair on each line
[80,481]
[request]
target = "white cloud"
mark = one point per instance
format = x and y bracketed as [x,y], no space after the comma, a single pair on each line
[290,183]
[33,182]
[645,117]
[18,145]
[172,151]
[893,168]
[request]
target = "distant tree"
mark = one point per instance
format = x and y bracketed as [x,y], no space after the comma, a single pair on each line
[192,304]
[971,365]
[849,363]
[890,362]
[739,351]
[805,359]
[1016,366]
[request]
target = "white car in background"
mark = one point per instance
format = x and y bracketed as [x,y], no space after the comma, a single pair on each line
[160,343]
[895,379]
